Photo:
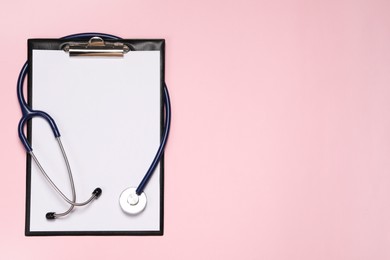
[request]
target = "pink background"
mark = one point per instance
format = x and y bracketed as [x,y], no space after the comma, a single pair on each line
[280,141]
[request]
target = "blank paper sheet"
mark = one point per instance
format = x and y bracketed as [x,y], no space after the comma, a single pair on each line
[108,113]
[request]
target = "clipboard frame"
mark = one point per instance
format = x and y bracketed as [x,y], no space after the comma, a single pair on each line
[55,44]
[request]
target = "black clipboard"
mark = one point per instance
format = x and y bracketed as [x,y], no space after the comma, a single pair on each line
[33,228]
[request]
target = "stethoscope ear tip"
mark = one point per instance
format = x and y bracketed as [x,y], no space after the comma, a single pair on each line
[50,215]
[97,192]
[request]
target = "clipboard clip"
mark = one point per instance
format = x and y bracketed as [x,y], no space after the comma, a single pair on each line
[96,46]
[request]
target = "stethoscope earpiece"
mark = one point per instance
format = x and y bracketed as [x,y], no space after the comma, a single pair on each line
[97,192]
[50,215]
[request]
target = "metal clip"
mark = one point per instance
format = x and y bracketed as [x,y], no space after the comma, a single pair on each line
[96,46]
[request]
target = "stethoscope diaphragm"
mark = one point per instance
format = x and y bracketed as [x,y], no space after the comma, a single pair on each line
[132,203]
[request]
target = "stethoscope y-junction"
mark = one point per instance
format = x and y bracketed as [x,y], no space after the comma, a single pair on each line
[132,200]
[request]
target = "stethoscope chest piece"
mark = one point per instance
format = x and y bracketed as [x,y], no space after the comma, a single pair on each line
[132,203]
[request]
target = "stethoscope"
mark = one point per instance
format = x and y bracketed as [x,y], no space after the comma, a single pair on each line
[132,200]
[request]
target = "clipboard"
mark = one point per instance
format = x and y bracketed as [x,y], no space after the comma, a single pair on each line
[111,114]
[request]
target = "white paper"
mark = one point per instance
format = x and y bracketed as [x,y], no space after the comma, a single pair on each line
[108,114]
